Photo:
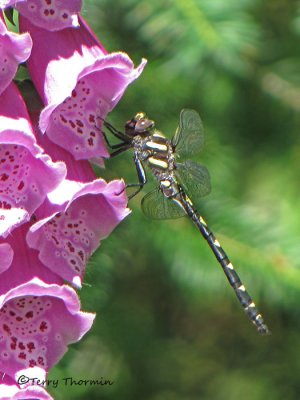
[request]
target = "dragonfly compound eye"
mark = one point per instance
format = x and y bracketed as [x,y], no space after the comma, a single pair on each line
[144,125]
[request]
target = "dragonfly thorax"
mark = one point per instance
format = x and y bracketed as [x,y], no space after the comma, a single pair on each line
[157,151]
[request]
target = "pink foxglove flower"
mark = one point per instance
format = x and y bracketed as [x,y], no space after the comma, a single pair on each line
[51,14]
[14,49]
[79,213]
[6,256]
[15,388]
[37,323]
[22,263]
[77,81]
[9,3]
[27,174]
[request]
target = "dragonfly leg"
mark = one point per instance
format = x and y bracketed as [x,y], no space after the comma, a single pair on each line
[118,134]
[141,177]
[113,146]
[120,149]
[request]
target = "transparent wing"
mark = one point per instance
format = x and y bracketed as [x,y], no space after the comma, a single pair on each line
[194,178]
[156,206]
[189,136]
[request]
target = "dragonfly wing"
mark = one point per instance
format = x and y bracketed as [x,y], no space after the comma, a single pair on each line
[156,206]
[194,178]
[189,136]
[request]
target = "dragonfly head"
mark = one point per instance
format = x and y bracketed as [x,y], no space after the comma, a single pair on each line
[139,125]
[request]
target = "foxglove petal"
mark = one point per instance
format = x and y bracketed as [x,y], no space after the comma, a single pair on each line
[51,15]
[78,82]
[27,174]
[13,389]
[14,49]
[9,3]
[6,256]
[25,264]
[37,323]
[84,215]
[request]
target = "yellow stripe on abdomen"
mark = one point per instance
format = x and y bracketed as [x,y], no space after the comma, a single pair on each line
[158,163]
[157,146]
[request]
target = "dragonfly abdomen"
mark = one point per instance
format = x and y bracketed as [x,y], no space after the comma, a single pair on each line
[232,276]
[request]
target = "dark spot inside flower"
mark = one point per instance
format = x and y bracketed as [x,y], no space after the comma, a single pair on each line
[5,205]
[30,346]
[63,119]
[56,241]
[22,355]
[43,326]
[29,314]
[41,361]
[21,346]
[32,363]
[91,118]
[21,185]
[13,346]
[4,177]
[71,247]
[6,328]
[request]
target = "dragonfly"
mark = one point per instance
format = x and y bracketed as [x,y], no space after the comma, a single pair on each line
[181,182]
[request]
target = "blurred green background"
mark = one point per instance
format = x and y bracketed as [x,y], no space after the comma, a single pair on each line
[168,324]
